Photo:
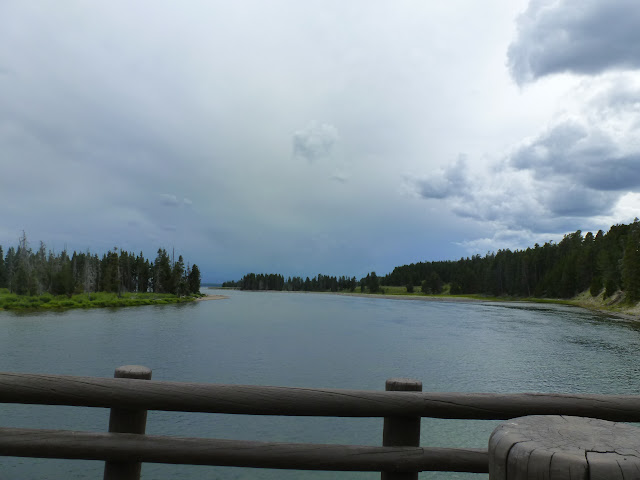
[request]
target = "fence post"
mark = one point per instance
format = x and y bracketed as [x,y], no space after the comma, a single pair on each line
[401,431]
[124,420]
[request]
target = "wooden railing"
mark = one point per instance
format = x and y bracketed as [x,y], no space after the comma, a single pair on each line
[131,395]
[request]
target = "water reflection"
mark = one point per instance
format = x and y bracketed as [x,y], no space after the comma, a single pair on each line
[312,340]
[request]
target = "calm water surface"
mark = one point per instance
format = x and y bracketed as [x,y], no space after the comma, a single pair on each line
[312,340]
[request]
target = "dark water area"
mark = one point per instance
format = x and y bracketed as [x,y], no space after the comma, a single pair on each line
[311,340]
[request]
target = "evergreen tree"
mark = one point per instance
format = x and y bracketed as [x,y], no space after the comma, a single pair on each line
[194,279]
[90,279]
[162,273]
[3,270]
[435,283]
[143,270]
[374,283]
[10,267]
[631,269]
[177,277]
[24,272]
[63,283]
[25,283]
[110,268]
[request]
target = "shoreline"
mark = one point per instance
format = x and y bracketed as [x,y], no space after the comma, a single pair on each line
[596,305]
[425,298]
[593,306]
[211,296]
[584,300]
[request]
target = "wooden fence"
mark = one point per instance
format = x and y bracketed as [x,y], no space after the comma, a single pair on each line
[132,393]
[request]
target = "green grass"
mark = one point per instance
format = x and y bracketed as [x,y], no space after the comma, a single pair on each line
[11,301]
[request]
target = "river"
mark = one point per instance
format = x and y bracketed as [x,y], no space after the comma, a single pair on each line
[311,340]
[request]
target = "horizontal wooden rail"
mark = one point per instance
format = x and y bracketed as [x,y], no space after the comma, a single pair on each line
[127,447]
[261,400]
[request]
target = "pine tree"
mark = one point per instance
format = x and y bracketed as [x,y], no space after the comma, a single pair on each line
[3,270]
[177,277]
[631,269]
[193,279]
[162,278]
[24,281]
[374,284]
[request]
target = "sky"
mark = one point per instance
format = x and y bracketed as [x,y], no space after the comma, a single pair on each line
[320,136]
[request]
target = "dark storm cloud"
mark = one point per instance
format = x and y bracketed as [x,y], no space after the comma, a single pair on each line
[614,174]
[450,181]
[579,36]
[315,141]
[587,157]
[578,201]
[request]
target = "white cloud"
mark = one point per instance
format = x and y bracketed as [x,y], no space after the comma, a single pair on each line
[596,145]
[169,200]
[315,141]
[573,174]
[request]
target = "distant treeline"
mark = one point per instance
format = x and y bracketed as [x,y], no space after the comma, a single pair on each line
[605,260]
[609,261]
[274,281]
[27,272]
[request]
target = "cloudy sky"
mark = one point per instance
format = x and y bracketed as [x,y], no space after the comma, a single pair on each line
[320,136]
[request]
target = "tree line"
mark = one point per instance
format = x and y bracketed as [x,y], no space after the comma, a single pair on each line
[27,272]
[609,261]
[275,281]
[600,263]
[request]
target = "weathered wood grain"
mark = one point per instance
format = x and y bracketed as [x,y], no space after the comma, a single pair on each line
[126,420]
[126,447]
[401,431]
[262,400]
[564,447]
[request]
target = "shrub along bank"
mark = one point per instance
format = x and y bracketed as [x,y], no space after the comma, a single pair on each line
[12,301]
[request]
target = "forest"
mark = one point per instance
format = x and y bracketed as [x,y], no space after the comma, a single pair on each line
[27,272]
[609,261]
[605,261]
[274,281]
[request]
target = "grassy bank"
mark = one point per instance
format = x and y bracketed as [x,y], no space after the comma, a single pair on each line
[615,304]
[11,301]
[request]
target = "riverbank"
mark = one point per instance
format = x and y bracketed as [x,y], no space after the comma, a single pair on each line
[614,305]
[13,302]
[211,296]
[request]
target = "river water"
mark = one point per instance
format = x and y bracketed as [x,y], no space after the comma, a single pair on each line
[311,340]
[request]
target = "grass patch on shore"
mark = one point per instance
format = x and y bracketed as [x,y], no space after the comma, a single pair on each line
[11,301]
[616,304]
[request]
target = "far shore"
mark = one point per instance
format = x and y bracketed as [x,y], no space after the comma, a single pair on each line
[210,296]
[631,314]
[422,298]
[597,304]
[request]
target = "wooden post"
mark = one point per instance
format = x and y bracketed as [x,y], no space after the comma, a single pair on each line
[401,431]
[563,448]
[124,420]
